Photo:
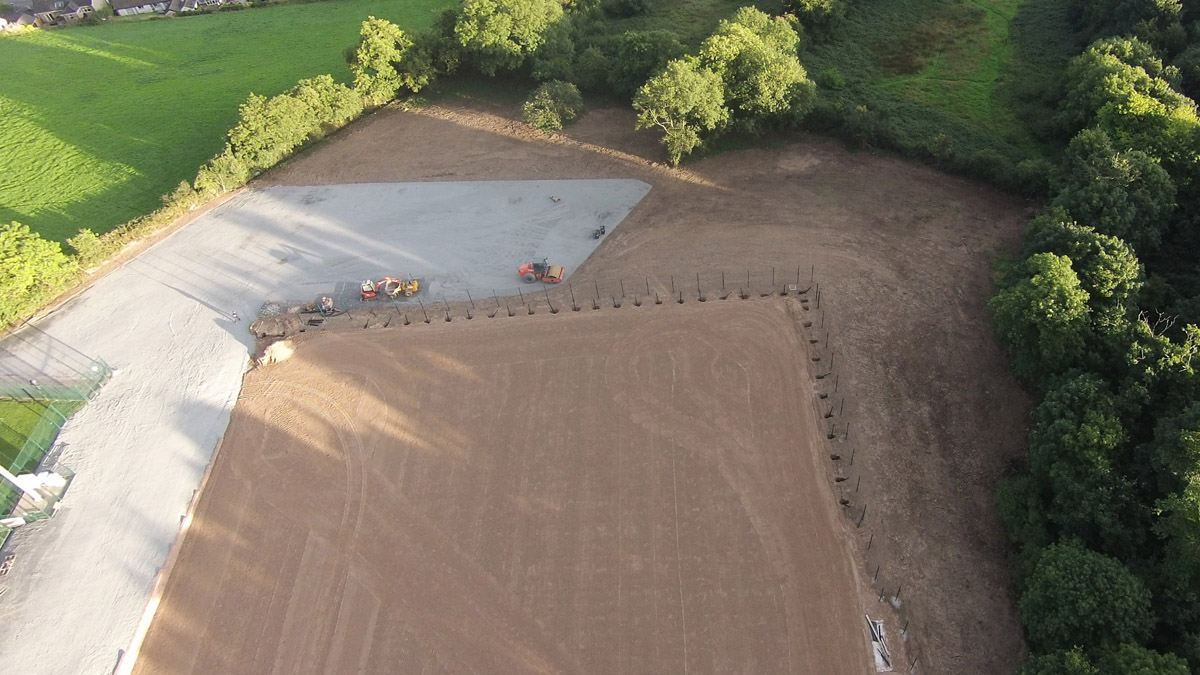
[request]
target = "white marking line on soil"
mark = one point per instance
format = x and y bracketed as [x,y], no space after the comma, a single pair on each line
[678,561]
[129,656]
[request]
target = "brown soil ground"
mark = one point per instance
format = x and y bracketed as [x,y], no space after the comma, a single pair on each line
[632,492]
[930,419]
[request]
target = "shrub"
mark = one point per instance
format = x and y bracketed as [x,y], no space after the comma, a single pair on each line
[1033,176]
[221,174]
[640,56]
[940,147]
[625,8]
[32,270]
[333,104]
[832,78]
[89,248]
[592,69]
[552,104]
[819,14]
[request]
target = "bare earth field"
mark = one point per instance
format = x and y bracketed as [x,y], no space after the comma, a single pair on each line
[630,491]
[605,493]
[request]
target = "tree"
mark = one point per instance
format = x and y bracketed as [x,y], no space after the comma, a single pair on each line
[552,104]
[555,58]
[1120,17]
[269,129]
[684,100]
[641,55]
[1075,447]
[1072,662]
[500,34]
[1108,70]
[32,269]
[1107,267]
[386,60]
[1131,659]
[332,103]
[1022,507]
[1043,317]
[222,173]
[755,56]
[1123,194]
[1120,86]
[1080,597]
[1188,64]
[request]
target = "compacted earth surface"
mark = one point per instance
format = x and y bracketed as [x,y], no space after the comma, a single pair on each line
[643,489]
[627,491]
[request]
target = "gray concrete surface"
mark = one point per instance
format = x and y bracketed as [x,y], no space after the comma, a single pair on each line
[81,581]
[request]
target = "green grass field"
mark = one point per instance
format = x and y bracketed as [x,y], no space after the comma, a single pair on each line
[19,420]
[98,122]
[934,63]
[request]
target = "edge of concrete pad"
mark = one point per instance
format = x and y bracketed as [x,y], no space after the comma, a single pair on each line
[129,657]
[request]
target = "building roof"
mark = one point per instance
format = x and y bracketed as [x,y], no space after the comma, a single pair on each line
[130,4]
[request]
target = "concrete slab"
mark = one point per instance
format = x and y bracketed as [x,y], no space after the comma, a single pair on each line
[81,581]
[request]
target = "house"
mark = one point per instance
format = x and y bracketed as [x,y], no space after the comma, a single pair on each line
[78,12]
[44,13]
[129,7]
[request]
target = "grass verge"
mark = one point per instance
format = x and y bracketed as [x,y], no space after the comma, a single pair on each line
[98,122]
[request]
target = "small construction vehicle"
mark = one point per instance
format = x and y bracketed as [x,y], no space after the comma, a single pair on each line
[389,286]
[323,306]
[535,271]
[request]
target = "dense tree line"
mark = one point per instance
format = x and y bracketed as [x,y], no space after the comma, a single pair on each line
[1100,314]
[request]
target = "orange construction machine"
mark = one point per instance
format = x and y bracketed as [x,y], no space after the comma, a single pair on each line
[535,271]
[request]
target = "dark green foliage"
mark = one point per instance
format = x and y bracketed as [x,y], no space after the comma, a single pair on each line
[592,69]
[1032,177]
[1107,268]
[555,58]
[1079,597]
[1043,317]
[501,34]
[1072,662]
[551,105]
[1075,449]
[1188,65]
[1022,507]
[639,56]
[1146,18]
[820,15]
[684,100]
[1130,659]
[832,78]
[32,270]
[1123,194]
[625,8]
